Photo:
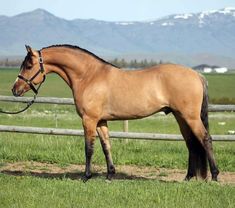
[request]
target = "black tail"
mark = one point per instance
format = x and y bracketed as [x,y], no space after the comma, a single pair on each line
[198,157]
[204,109]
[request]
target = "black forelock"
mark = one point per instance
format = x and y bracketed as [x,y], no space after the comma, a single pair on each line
[27,58]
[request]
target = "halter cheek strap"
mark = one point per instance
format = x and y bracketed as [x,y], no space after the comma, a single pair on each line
[41,62]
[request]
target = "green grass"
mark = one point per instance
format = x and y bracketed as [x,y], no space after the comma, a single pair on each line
[28,192]
[221,88]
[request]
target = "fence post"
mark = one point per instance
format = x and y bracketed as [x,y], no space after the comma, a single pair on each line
[125,126]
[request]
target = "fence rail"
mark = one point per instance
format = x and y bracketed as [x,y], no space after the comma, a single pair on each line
[113,134]
[45,100]
[124,135]
[70,101]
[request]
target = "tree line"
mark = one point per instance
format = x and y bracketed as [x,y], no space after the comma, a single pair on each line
[6,62]
[122,63]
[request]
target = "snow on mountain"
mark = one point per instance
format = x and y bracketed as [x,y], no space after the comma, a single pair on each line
[167,24]
[183,16]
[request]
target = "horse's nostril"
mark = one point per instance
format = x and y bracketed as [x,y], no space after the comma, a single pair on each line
[14,91]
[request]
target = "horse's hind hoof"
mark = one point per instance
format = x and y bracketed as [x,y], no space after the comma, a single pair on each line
[214,179]
[215,175]
[85,178]
[108,180]
[188,177]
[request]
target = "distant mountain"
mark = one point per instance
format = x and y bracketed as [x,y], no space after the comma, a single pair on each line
[191,39]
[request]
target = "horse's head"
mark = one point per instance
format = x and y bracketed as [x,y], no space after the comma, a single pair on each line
[31,73]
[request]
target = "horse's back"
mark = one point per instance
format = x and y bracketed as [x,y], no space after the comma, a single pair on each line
[169,77]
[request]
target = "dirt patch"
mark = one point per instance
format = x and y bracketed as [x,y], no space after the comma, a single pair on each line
[75,172]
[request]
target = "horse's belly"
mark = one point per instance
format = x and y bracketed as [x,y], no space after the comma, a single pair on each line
[134,109]
[135,96]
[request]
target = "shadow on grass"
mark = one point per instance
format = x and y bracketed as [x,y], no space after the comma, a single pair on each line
[79,175]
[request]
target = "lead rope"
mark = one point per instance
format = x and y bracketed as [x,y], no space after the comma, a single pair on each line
[24,109]
[28,104]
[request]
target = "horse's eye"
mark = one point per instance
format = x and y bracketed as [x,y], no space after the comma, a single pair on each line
[28,67]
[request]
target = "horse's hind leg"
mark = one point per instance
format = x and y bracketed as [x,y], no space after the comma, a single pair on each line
[103,132]
[190,141]
[204,138]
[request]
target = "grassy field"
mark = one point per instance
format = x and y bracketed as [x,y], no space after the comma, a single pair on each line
[31,191]
[221,88]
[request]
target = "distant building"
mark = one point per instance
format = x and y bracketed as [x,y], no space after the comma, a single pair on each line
[221,69]
[207,70]
[210,69]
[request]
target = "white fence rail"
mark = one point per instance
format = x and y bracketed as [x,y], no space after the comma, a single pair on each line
[124,135]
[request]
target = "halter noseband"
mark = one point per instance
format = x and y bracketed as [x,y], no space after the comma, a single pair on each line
[30,81]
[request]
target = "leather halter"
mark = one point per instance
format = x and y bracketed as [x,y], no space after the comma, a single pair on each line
[30,81]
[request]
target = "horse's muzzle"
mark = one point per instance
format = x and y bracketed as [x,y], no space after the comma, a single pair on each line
[16,91]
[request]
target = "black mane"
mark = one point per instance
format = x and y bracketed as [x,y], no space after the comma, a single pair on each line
[81,49]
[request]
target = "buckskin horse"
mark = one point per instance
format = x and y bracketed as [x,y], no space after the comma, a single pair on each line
[103,92]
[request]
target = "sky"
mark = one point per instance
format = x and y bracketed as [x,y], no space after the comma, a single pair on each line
[108,10]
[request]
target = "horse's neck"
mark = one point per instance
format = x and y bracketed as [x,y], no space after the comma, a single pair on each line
[69,65]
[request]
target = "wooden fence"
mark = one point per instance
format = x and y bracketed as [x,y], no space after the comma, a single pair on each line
[124,135]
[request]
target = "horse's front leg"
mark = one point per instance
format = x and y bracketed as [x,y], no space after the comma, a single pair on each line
[89,126]
[103,132]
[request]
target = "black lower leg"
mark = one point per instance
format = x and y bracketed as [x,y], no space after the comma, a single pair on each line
[108,157]
[191,168]
[89,149]
[209,150]
[111,171]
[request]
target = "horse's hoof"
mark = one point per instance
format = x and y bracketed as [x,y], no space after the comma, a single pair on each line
[110,174]
[215,175]
[108,180]
[187,178]
[86,178]
[109,177]
[214,179]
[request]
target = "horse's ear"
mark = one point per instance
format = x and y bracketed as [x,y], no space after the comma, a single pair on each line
[30,50]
